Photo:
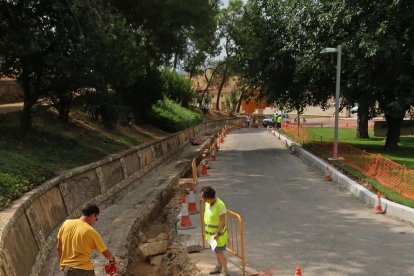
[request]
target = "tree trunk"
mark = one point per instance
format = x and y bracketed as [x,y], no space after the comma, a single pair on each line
[63,106]
[393,132]
[175,61]
[26,118]
[192,72]
[362,121]
[29,99]
[243,91]
[221,87]
[208,83]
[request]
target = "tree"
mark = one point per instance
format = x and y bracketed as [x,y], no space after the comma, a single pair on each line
[227,19]
[377,36]
[276,54]
[232,101]
[165,27]
[279,44]
[177,88]
[27,31]
[57,48]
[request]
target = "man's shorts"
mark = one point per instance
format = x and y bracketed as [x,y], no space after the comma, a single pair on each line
[220,249]
[70,271]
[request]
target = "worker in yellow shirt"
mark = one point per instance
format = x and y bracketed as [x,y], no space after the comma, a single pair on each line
[279,121]
[76,240]
[215,224]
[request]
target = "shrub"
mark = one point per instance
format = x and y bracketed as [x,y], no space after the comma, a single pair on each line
[11,187]
[177,88]
[171,117]
[105,106]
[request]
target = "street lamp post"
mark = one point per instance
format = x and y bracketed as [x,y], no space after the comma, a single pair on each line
[338,85]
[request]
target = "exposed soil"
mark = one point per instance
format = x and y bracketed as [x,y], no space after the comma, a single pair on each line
[10,92]
[175,261]
[215,115]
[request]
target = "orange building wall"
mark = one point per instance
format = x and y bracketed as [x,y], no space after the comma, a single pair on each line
[252,106]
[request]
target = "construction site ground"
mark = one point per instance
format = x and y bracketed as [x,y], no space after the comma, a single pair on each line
[143,211]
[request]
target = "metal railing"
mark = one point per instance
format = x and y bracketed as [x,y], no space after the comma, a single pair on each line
[235,241]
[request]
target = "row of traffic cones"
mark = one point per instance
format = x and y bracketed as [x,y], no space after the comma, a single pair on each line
[378,205]
[191,207]
[187,209]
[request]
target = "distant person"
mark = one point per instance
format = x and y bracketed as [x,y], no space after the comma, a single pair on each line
[274,120]
[215,223]
[279,121]
[76,240]
[248,121]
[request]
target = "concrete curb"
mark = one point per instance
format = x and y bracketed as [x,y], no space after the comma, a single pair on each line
[392,209]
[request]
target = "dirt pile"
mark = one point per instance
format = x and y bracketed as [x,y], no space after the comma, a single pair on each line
[176,263]
[159,252]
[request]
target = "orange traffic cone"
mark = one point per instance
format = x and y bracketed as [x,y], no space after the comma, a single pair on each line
[192,206]
[213,153]
[327,175]
[185,216]
[203,167]
[378,206]
[298,271]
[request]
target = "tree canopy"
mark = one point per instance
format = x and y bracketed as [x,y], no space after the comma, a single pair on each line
[279,43]
[98,50]
[105,55]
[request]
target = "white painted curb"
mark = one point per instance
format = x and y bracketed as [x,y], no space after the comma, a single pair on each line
[391,208]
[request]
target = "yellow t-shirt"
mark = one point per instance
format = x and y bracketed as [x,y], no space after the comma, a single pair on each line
[78,240]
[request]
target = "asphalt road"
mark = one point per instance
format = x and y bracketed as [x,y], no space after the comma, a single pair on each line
[292,216]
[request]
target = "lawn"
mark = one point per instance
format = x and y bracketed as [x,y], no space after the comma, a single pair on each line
[404,155]
[30,158]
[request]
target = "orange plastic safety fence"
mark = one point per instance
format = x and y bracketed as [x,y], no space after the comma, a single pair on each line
[390,174]
[300,134]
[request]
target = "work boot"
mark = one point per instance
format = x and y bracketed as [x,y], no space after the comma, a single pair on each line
[224,273]
[216,270]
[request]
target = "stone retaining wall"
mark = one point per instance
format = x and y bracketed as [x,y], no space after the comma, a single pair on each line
[25,227]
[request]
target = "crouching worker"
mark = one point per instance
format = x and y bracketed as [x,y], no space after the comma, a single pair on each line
[76,240]
[215,223]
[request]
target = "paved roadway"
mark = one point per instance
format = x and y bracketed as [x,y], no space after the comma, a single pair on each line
[293,217]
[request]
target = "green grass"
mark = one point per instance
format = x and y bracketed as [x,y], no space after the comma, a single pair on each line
[388,193]
[172,117]
[404,155]
[30,158]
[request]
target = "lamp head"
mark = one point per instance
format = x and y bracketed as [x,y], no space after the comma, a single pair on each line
[329,50]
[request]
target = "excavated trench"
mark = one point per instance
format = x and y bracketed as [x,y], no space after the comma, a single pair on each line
[139,224]
[155,248]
